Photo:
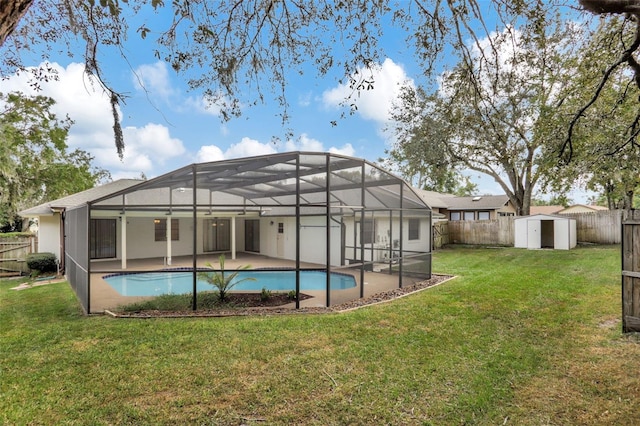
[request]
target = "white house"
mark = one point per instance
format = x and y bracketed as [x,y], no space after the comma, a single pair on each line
[319,208]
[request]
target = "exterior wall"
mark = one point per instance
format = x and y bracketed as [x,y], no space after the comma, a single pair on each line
[312,239]
[383,239]
[141,239]
[493,214]
[507,210]
[49,234]
[141,242]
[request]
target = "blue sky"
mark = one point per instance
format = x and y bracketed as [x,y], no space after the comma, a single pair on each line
[167,126]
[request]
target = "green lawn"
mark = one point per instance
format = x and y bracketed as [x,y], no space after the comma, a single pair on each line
[520,337]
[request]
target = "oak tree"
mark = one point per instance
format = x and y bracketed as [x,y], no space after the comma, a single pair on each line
[35,163]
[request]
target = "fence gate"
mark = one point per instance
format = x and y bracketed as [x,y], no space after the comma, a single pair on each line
[631,272]
[13,252]
[440,235]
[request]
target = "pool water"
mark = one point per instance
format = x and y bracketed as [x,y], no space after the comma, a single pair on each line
[166,282]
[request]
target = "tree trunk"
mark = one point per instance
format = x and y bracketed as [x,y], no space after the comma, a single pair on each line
[10,14]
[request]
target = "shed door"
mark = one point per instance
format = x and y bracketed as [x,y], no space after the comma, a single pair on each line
[534,229]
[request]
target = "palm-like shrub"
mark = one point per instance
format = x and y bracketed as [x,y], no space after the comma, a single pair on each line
[223,281]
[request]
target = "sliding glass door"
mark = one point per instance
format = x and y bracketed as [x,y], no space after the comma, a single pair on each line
[217,235]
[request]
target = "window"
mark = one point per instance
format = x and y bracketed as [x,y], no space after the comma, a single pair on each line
[161,229]
[368,231]
[484,216]
[469,215]
[454,216]
[414,229]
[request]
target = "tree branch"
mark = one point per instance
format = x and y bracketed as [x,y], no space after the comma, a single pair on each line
[626,56]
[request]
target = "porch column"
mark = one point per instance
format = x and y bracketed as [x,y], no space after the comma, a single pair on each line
[123,241]
[169,240]
[233,237]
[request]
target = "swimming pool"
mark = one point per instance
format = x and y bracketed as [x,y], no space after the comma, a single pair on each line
[167,282]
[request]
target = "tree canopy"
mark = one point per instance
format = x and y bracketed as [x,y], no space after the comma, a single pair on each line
[496,113]
[35,164]
[238,52]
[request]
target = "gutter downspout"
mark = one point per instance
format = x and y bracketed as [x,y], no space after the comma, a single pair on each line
[63,214]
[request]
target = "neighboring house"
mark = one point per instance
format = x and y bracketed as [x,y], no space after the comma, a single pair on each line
[481,207]
[545,209]
[582,208]
[477,207]
[50,215]
[437,202]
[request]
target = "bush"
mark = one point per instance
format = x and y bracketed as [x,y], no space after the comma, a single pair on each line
[42,262]
[265,294]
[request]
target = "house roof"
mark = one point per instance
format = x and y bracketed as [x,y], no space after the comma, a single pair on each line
[434,199]
[545,209]
[479,202]
[79,198]
[583,207]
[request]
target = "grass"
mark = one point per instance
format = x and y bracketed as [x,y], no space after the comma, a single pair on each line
[520,337]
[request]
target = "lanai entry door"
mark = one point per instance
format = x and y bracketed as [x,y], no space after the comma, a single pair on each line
[252,235]
[217,235]
[280,240]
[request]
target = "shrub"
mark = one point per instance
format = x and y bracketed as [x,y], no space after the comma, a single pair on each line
[42,262]
[265,294]
[222,280]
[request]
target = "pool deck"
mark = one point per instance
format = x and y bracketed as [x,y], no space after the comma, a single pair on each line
[104,297]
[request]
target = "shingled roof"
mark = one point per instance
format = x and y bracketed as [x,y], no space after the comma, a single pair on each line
[79,198]
[478,202]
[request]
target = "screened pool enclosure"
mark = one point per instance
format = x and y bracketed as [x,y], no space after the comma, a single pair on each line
[294,211]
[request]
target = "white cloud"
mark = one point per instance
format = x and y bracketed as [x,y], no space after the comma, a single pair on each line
[156,81]
[88,106]
[154,138]
[306,143]
[346,149]
[304,99]
[154,78]
[209,153]
[247,147]
[374,104]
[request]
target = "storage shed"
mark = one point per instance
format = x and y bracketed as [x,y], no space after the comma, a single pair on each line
[545,231]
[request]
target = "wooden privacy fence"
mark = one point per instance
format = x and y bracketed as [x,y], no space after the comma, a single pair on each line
[631,272]
[482,232]
[601,227]
[13,252]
